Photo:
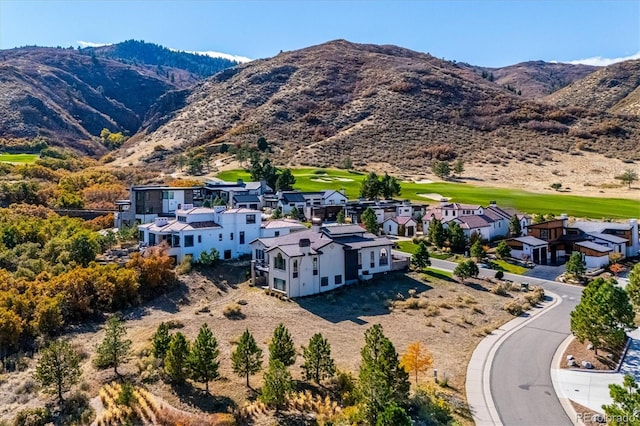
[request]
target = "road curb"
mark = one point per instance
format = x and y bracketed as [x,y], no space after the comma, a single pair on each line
[555,367]
[478,383]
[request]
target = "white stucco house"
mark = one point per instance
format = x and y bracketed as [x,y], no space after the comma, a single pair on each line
[394,226]
[593,254]
[319,259]
[530,248]
[279,227]
[198,229]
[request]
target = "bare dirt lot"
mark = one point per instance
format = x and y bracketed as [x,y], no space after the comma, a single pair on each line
[447,317]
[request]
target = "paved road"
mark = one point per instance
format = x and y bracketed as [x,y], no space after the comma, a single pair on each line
[521,386]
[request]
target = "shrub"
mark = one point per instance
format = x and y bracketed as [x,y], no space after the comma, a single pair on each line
[185,266]
[500,289]
[515,308]
[232,310]
[33,417]
[499,275]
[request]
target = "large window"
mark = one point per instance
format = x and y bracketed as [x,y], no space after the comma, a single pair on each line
[544,234]
[373,259]
[259,254]
[278,262]
[315,266]
[324,281]
[188,240]
[279,284]
[251,218]
[176,241]
[152,239]
[167,195]
[384,260]
[241,237]
[182,219]
[295,269]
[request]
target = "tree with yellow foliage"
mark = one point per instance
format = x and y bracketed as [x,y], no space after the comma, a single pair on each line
[417,359]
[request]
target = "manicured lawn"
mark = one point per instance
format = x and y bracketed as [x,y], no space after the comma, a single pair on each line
[437,273]
[407,246]
[18,158]
[308,179]
[508,267]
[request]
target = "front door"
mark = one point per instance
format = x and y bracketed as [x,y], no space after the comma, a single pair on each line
[410,231]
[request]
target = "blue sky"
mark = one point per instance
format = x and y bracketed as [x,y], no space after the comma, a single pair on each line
[481,32]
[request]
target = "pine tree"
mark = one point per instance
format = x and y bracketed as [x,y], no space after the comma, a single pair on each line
[436,233]
[393,415]
[370,220]
[575,265]
[389,187]
[285,181]
[370,187]
[58,368]
[282,347]
[515,228]
[477,250]
[503,250]
[458,167]
[203,357]
[457,239]
[176,361]
[340,218]
[466,270]
[318,364]
[161,340]
[247,358]
[603,316]
[277,385]
[114,349]
[626,403]
[382,380]
[421,257]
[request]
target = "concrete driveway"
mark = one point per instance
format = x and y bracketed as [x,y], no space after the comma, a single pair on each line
[545,272]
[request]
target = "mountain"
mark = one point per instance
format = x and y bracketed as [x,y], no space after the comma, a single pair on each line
[140,52]
[374,104]
[535,79]
[614,89]
[68,96]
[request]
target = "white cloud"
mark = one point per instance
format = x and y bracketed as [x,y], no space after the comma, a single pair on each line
[91,44]
[599,61]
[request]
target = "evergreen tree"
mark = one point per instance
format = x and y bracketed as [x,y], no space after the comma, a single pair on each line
[340,218]
[575,265]
[277,385]
[626,403]
[503,250]
[203,358]
[295,213]
[370,187]
[370,221]
[58,368]
[176,363]
[285,181]
[633,288]
[393,415]
[436,232]
[382,380]
[161,340]
[262,144]
[420,258]
[318,364]
[456,237]
[477,250]
[277,213]
[603,316]
[458,167]
[282,347]
[247,358]
[442,169]
[466,269]
[114,349]
[389,187]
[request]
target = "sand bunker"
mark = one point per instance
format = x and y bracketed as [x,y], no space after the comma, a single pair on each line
[424,181]
[433,196]
[343,179]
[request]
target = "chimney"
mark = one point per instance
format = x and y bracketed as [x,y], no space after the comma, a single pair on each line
[161,221]
[305,245]
[492,203]
[316,223]
[443,202]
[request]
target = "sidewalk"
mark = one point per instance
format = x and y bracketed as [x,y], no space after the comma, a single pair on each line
[591,389]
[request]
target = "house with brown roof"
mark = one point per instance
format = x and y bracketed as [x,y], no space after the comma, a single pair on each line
[403,226]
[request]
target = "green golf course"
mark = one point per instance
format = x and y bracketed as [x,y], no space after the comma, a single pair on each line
[18,158]
[311,179]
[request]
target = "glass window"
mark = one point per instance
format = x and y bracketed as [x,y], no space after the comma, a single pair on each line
[295,269]
[140,235]
[152,239]
[176,241]
[278,262]
[199,239]
[241,237]
[277,233]
[373,259]
[279,284]
[259,254]
[227,254]
[251,218]
[231,236]
[359,260]
[315,266]
[188,240]
[384,260]
[338,279]
[324,281]
[219,237]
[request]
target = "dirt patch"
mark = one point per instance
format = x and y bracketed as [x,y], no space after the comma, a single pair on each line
[448,317]
[604,360]
[585,414]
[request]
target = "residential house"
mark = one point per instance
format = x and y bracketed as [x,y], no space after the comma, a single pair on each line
[404,226]
[594,255]
[279,227]
[446,211]
[147,202]
[490,222]
[319,259]
[198,229]
[288,200]
[600,230]
[529,248]
[237,194]
[383,209]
